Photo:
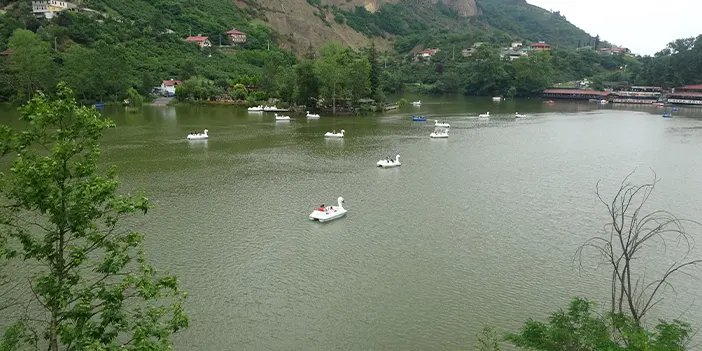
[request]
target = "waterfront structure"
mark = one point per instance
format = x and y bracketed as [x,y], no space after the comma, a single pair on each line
[686,95]
[637,95]
[575,94]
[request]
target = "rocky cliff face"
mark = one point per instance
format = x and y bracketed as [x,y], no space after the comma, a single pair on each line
[300,24]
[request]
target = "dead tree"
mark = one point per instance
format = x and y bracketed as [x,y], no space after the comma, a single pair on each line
[630,230]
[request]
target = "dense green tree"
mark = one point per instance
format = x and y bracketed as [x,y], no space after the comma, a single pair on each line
[96,290]
[308,84]
[532,74]
[134,99]
[198,89]
[98,74]
[578,329]
[374,78]
[31,66]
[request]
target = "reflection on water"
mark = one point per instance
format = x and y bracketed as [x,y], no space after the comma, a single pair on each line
[167,112]
[198,144]
[334,141]
[476,229]
[282,123]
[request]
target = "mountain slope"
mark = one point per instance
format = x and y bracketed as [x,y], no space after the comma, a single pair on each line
[530,22]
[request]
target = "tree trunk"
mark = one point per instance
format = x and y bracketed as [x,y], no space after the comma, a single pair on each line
[334,99]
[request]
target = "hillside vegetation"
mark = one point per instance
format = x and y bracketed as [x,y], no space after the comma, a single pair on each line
[135,44]
[532,23]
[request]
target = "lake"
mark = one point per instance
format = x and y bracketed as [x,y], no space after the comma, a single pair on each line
[477,229]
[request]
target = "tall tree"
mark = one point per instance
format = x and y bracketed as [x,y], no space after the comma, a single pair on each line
[96,290]
[307,90]
[632,233]
[31,65]
[374,69]
[597,42]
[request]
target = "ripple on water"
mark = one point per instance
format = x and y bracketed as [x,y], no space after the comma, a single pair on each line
[477,229]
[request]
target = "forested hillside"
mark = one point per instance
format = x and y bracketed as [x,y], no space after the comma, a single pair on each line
[529,22]
[116,45]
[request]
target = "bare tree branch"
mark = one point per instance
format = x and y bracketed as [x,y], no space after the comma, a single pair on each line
[628,231]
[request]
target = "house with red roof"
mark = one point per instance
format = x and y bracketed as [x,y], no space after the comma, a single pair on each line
[201,41]
[428,53]
[541,46]
[169,86]
[686,95]
[236,37]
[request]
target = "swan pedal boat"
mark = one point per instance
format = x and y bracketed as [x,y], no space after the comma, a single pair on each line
[389,164]
[441,124]
[329,213]
[517,115]
[334,134]
[417,103]
[198,136]
[312,115]
[274,109]
[439,135]
[281,118]
[258,108]
[484,116]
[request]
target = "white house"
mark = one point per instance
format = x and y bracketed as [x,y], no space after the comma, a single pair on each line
[49,8]
[169,86]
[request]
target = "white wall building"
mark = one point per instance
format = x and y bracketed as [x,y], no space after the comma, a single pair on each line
[49,8]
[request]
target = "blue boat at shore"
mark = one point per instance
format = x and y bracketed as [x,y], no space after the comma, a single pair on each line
[667,115]
[418,119]
[99,105]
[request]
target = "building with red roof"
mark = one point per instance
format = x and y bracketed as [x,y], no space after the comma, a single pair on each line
[541,46]
[236,37]
[201,41]
[428,53]
[575,94]
[169,86]
[686,95]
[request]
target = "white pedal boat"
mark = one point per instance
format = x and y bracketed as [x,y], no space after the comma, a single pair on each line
[334,134]
[329,213]
[197,136]
[441,124]
[389,163]
[436,135]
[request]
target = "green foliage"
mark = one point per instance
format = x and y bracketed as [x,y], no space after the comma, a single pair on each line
[530,22]
[680,63]
[197,89]
[307,87]
[342,73]
[129,47]
[134,99]
[488,340]
[578,329]
[97,290]
[31,66]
